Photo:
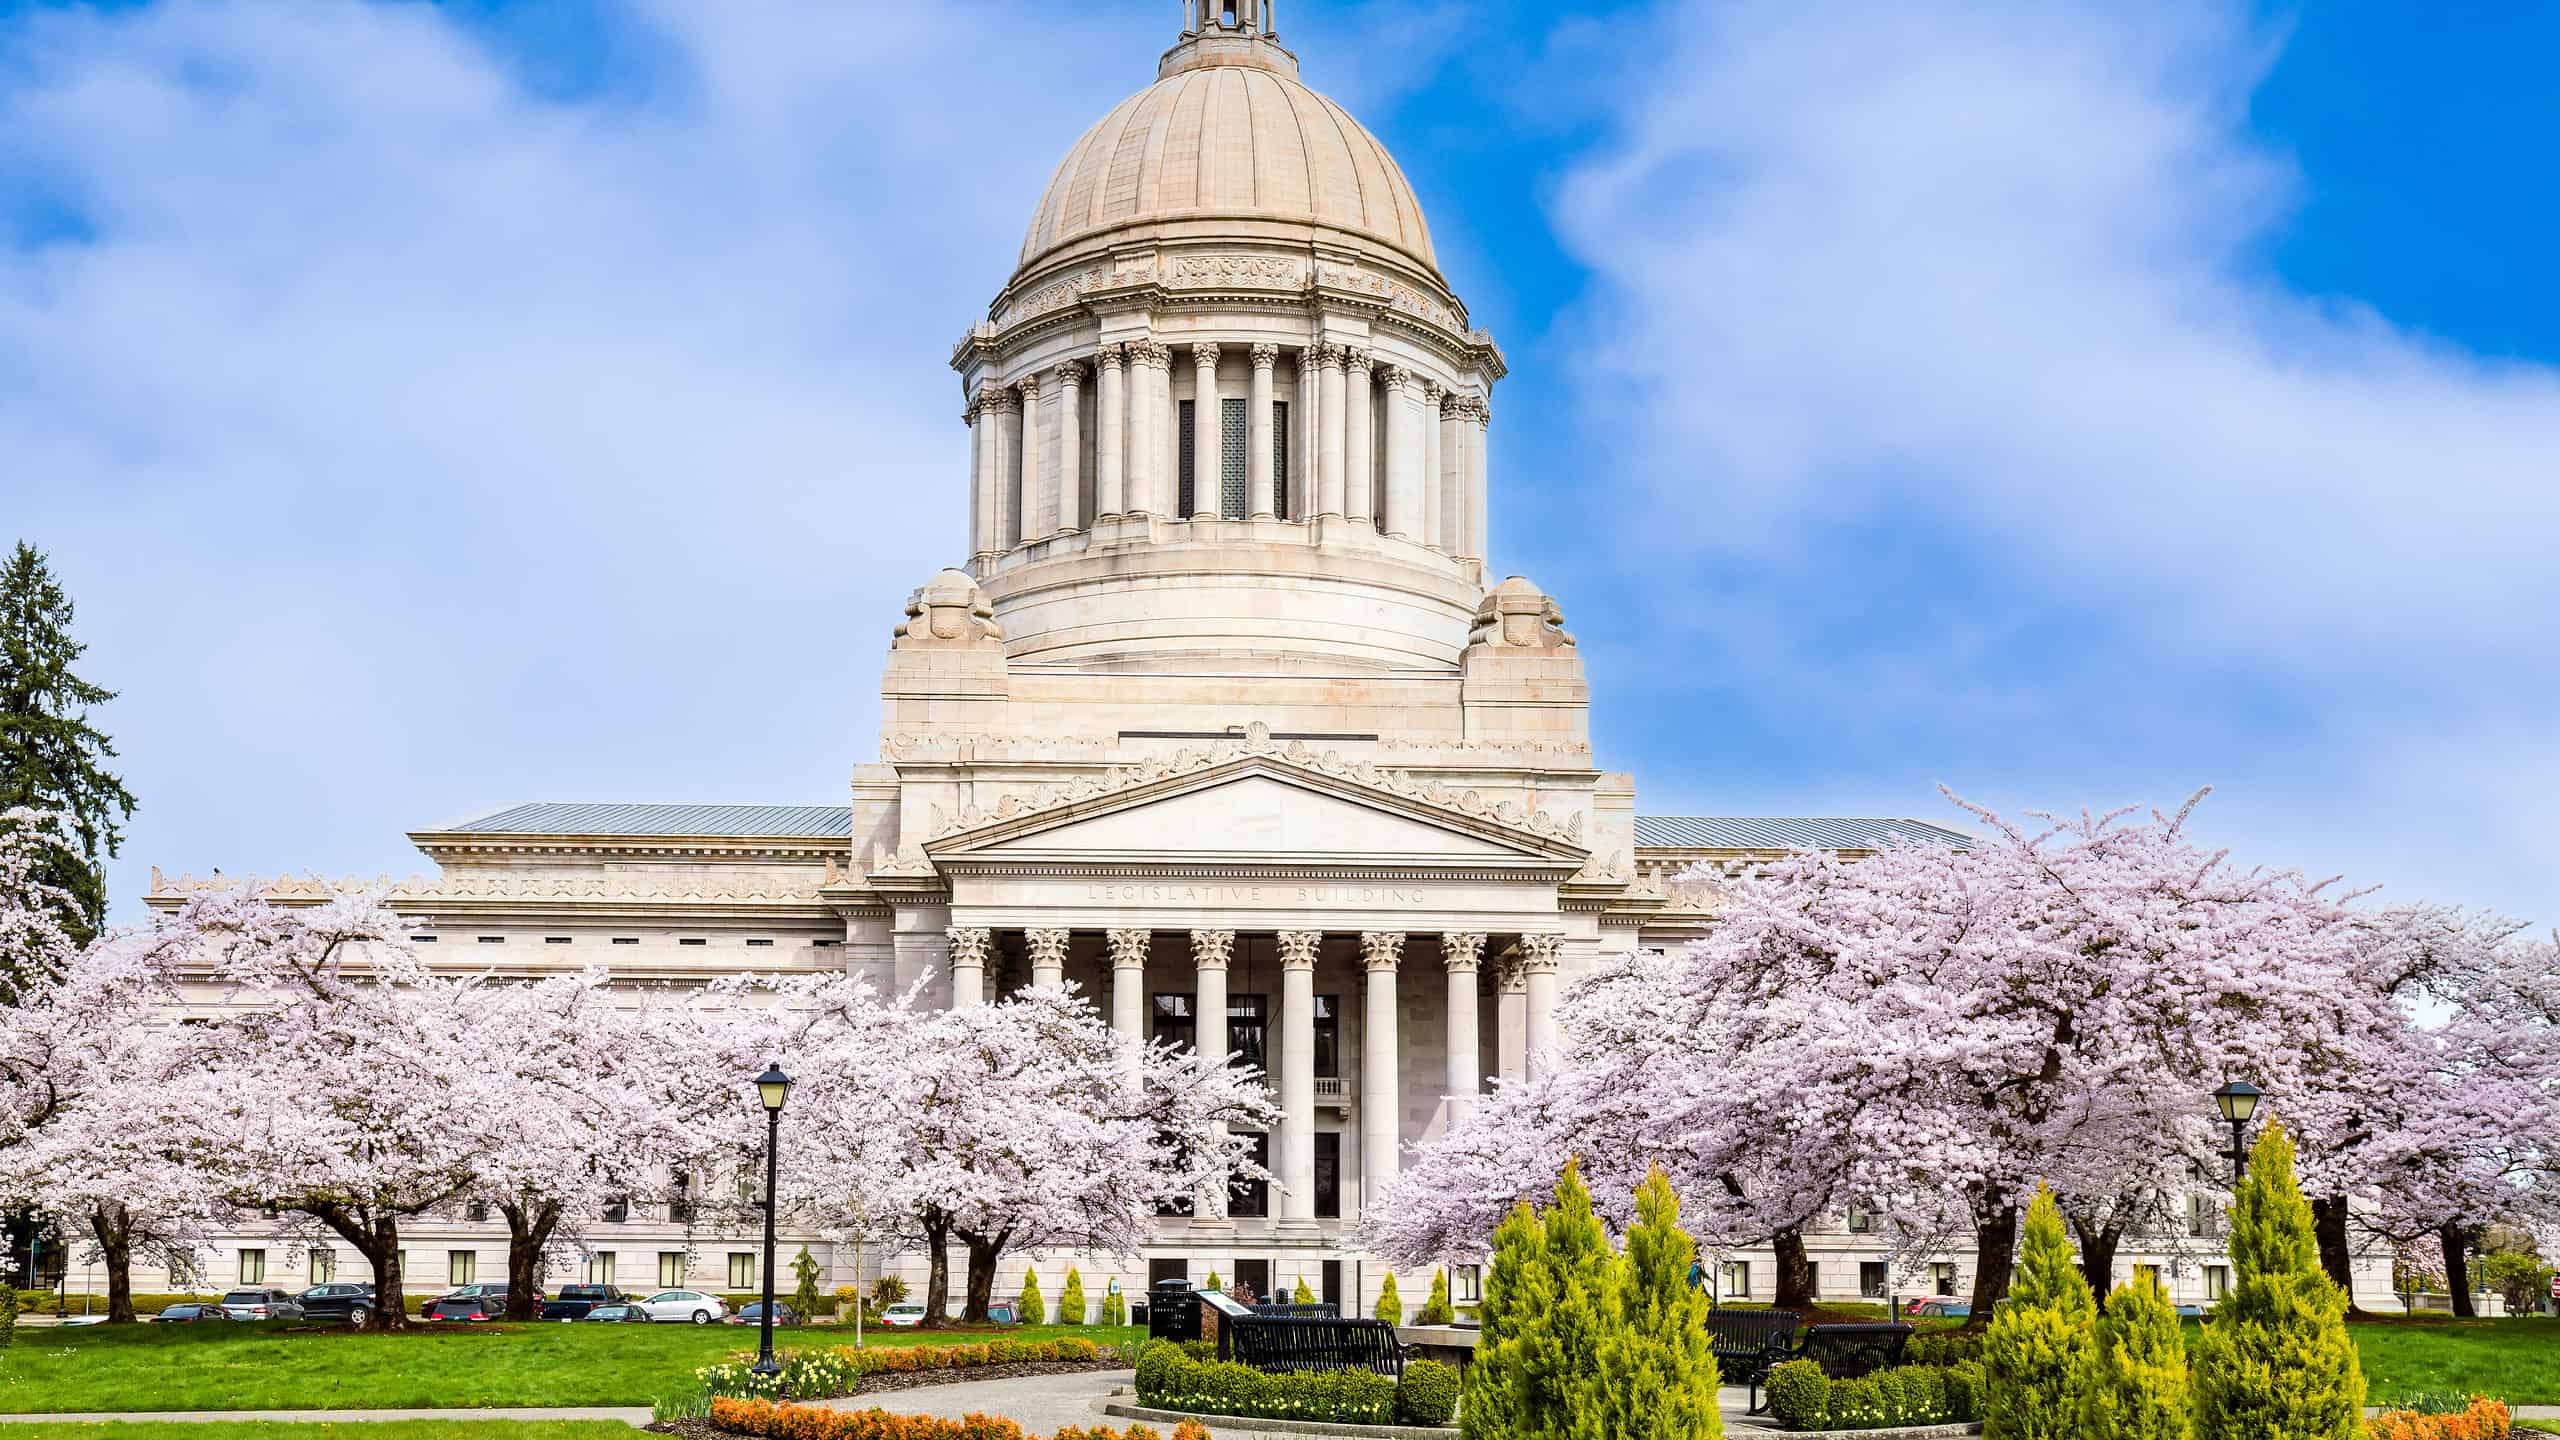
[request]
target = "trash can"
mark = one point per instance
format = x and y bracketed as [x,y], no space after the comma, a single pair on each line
[1171,1312]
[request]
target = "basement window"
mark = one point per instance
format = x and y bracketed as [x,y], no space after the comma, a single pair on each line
[626,939]
[493,939]
[424,939]
[555,939]
[693,942]
[759,944]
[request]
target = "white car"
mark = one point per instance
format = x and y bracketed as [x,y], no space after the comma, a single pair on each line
[690,1305]
[903,1315]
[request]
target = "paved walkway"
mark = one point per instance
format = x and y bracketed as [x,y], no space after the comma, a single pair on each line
[628,1414]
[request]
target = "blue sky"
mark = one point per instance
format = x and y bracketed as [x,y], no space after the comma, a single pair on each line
[434,408]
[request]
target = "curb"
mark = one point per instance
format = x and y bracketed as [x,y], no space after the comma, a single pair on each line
[1281,1427]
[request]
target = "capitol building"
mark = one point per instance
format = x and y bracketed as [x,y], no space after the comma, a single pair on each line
[1221,712]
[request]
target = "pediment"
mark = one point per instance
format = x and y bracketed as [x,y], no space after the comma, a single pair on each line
[1262,809]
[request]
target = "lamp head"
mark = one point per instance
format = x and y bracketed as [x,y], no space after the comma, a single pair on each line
[773,1087]
[2238,1101]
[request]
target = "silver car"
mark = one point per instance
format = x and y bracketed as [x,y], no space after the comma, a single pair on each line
[261,1305]
[690,1305]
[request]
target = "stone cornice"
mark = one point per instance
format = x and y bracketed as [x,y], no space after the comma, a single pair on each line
[445,847]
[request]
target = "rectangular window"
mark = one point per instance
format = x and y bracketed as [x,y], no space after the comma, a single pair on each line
[742,1270]
[477,1212]
[426,939]
[1328,1036]
[1173,1022]
[1247,1030]
[1861,1220]
[600,1268]
[693,942]
[1280,458]
[1871,1278]
[2204,1218]
[1231,459]
[626,939]
[1159,1271]
[324,1265]
[670,1269]
[1813,1279]
[1185,466]
[461,1267]
[493,939]
[555,939]
[1332,1292]
[253,1266]
[1329,1174]
[618,1208]
[1737,1278]
[1253,1277]
[1466,1283]
[759,944]
[2217,1282]
[1253,1197]
[1942,1278]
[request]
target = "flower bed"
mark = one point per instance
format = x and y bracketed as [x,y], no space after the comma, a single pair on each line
[801,1422]
[1801,1397]
[2482,1419]
[830,1371]
[1170,1377]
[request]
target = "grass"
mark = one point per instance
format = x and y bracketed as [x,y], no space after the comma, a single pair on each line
[326,1430]
[190,1367]
[2517,1361]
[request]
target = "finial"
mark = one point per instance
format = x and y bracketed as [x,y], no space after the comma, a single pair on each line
[1236,33]
[1249,17]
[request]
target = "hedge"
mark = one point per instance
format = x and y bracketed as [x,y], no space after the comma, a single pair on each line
[797,1422]
[1427,1395]
[2483,1419]
[1952,1347]
[1171,1380]
[1801,1397]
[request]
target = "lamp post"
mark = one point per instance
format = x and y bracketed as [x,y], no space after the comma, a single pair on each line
[2238,1100]
[772,1087]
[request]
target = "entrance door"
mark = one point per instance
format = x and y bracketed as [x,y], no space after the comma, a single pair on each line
[1333,1285]
[1255,1275]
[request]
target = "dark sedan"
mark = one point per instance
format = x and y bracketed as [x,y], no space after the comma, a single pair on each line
[575,1301]
[754,1315]
[468,1308]
[189,1315]
[347,1300]
[617,1314]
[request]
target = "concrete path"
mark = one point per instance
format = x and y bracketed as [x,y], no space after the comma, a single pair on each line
[628,1414]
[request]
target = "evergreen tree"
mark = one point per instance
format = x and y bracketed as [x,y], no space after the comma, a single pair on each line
[1115,1306]
[1390,1304]
[1493,1405]
[1658,1374]
[2036,1357]
[2276,1363]
[804,1298]
[51,757]
[1302,1295]
[1213,1284]
[2138,1373]
[1071,1299]
[1029,1309]
[1436,1309]
[1564,1399]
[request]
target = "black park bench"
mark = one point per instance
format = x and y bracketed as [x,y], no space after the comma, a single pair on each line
[1748,1343]
[1281,1342]
[1846,1352]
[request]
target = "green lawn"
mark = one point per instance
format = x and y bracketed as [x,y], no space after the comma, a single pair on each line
[192,1367]
[326,1430]
[2517,1361]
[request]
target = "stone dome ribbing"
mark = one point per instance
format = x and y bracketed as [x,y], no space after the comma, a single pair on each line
[1226,141]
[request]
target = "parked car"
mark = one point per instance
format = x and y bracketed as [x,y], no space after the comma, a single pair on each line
[1940,1308]
[473,1308]
[190,1314]
[618,1313]
[575,1301]
[1001,1313]
[475,1292]
[691,1305]
[903,1315]
[753,1314]
[347,1300]
[261,1305]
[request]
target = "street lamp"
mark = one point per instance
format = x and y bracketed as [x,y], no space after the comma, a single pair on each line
[2238,1100]
[772,1087]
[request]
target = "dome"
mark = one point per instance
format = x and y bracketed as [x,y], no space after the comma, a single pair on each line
[1229,138]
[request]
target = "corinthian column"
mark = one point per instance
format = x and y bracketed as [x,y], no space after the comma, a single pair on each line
[1151,379]
[1359,450]
[1261,499]
[982,473]
[1428,422]
[1403,517]
[1381,1108]
[1070,507]
[1511,1016]
[1005,502]
[1129,984]
[969,947]
[1460,952]
[1479,478]
[1329,446]
[1452,473]
[1210,950]
[1538,956]
[1023,500]
[1048,957]
[1110,462]
[1296,1152]
[1208,467]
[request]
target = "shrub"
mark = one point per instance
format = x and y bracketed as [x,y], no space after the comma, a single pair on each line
[1657,1373]
[1173,1380]
[2137,1386]
[2276,1363]
[1029,1309]
[1427,1395]
[8,1314]
[1952,1347]
[886,1291]
[1435,1310]
[1390,1304]
[805,1296]
[1302,1295]
[2482,1419]
[1071,1299]
[1213,1282]
[2519,1276]
[2037,1352]
[1965,1385]
[1799,1395]
[1115,1308]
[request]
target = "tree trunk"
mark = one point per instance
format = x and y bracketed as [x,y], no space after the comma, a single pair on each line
[378,1241]
[2457,1269]
[112,1225]
[1995,1259]
[937,1273]
[528,1231]
[2098,1255]
[2329,1224]
[984,1252]
[1795,1271]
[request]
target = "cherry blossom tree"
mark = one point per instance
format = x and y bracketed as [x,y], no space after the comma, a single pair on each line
[35,941]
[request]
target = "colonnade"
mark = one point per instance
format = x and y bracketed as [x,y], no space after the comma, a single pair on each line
[1525,997]
[1367,441]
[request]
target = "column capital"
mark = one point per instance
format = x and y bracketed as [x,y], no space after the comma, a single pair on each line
[1539,953]
[1431,393]
[969,944]
[1204,354]
[1030,387]
[1394,377]
[1298,949]
[1326,357]
[1382,949]
[1461,950]
[1211,948]
[1070,374]
[1110,358]
[1510,975]
[1006,400]
[1150,355]
[1266,357]
[1453,406]
[1358,361]
[1129,948]
[1048,947]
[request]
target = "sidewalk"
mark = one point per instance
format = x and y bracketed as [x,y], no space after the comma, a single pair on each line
[628,1414]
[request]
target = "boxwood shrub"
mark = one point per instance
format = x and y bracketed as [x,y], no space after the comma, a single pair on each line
[1427,1395]
[1801,1397]
[1171,1380]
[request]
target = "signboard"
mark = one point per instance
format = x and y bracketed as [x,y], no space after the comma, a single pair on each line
[1221,1303]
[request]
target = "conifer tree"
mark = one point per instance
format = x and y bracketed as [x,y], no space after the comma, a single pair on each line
[2138,1372]
[1115,1306]
[1071,1299]
[1494,1403]
[1029,1310]
[1564,1399]
[1436,1309]
[1390,1304]
[2276,1363]
[804,1269]
[1213,1284]
[2036,1357]
[1658,1374]
[1302,1295]
[51,756]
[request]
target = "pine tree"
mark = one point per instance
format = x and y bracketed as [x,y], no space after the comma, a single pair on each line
[1658,1374]
[1494,1403]
[1436,1309]
[804,1298]
[1071,1299]
[1302,1295]
[1564,1402]
[2276,1363]
[51,757]
[2138,1373]
[1213,1284]
[1390,1304]
[1028,1309]
[2036,1357]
